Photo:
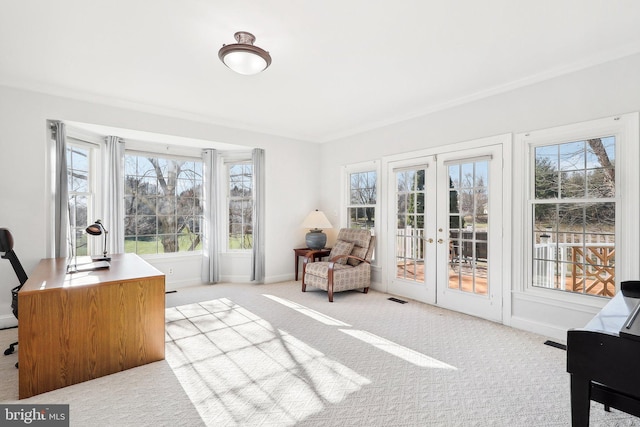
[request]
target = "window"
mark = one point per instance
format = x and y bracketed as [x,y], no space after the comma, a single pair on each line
[163,213]
[360,203]
[578,220]
[81,189]
[581,212]
[361,207]
[240,205]
[574,212]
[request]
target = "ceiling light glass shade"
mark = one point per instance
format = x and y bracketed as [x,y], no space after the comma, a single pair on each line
[243,57]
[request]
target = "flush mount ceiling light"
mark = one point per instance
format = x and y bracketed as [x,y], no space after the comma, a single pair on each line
[243,57]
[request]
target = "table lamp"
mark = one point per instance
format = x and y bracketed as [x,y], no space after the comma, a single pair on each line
[316,221]
[97,229]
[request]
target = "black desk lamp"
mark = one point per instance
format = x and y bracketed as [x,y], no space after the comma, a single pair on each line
[96,230]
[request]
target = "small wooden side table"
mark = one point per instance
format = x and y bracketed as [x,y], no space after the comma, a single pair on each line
[302,252]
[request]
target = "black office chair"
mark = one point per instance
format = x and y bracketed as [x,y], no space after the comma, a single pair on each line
[6,246]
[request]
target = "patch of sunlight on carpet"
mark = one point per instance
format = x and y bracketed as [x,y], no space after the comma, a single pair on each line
[237,369]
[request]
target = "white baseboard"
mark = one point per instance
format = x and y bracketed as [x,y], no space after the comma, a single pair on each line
[378,287]
[550,331]
[171,286]
[282,278]
[234,279]
[8,321]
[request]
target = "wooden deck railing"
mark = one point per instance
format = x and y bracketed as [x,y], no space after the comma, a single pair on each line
[585,268]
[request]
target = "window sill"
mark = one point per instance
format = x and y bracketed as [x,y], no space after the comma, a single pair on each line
[563,299]
[236,254]
[171,255]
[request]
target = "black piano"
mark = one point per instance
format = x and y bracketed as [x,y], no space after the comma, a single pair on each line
[603,358]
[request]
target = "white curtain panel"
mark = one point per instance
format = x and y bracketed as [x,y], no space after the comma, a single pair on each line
[258,252]
[62,237]
[113,194]
[210,226]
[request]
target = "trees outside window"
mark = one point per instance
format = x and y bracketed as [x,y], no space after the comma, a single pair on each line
[163,211]
[361,209]
[411,197]
[574,212]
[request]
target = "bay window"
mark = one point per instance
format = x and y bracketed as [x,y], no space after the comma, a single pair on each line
[163,213]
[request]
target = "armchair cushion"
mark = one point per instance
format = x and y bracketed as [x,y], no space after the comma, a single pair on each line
[345,277]
[321,269]
[359,237]
[341,248]
[358,251]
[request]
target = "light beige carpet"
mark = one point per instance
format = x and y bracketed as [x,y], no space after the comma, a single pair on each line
[148,395]
[270,355]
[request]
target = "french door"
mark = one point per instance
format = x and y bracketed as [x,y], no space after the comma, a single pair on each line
[445,227]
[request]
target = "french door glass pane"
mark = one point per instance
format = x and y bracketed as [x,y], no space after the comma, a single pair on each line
[410,220]
[468,227]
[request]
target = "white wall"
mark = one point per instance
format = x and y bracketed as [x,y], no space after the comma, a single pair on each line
[24,192]
[601,91]
[592,93]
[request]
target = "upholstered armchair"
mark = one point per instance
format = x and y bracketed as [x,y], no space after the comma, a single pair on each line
[349,265]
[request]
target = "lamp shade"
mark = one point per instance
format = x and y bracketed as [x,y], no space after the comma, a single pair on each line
[243,57]
[97,229]
[316,220]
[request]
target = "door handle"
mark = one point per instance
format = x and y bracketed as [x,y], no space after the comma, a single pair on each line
[430,240]
[440,241]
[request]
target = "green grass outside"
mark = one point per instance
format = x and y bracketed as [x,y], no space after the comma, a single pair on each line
[235,243]
[153,245]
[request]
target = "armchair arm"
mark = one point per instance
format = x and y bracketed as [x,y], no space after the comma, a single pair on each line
[310,256]
[336,258]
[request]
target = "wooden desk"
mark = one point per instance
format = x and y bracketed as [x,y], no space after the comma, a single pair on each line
[301,252]
[77,327]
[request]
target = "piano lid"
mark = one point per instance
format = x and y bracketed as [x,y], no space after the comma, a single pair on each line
[612,318]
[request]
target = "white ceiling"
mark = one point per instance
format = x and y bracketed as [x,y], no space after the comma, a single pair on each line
[339,66]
